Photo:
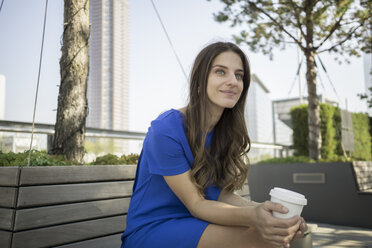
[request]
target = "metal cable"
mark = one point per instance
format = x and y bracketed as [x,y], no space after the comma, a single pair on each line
[169,40]
[1,6]
[294,79]
[329,79]
[38,80]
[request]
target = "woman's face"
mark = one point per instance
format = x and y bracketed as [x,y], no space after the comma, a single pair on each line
[225,81]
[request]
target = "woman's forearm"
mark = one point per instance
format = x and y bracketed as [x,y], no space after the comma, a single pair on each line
[235,199]
[223,214]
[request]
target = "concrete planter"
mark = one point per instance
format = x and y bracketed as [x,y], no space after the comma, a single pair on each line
[59,206]
[333,193]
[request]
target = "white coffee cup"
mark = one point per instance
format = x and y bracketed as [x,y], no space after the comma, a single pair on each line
[289,199]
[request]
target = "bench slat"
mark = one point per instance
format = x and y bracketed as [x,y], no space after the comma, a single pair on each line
[76,174]
[6,218]
[7,197]
[5,238]
[60,214]
[112,241]
[70,193]
[64,234]
[9,176]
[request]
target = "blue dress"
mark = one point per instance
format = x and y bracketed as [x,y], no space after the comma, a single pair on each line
[156,217]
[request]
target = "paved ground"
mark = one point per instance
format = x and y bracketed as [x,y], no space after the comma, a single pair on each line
[340,236]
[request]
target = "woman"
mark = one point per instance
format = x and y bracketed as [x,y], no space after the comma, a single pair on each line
[192,161]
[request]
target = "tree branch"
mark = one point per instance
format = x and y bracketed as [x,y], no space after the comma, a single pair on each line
[342,41]
[252,4]
[333,29]
[296,7]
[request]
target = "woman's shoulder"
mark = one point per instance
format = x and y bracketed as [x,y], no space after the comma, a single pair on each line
[168,121]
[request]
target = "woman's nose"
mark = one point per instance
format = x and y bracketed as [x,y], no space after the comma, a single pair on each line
[232,79]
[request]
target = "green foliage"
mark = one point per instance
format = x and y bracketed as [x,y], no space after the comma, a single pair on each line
[130,159]
[330,117]
[300,130]
[337,26]
[337,127]
[41,158]
[38,158]
[362,138]
[292,159]
[108,159]
[366,97]
[111,159]
[329,142]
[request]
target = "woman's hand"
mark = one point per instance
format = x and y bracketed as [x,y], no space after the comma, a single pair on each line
[301,231]
[275,231]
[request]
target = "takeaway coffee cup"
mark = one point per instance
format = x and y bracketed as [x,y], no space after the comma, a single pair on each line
[289,199]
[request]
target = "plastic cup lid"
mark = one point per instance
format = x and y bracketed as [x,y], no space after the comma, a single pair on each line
[289,196]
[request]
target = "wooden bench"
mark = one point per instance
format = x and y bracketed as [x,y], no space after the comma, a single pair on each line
[363,175]
[65,206]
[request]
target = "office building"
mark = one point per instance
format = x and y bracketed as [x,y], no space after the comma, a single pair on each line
[108,84]
[2,97]
[258,114]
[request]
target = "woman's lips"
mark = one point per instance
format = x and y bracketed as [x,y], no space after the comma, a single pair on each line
[228,92]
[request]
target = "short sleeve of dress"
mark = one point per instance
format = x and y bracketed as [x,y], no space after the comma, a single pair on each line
[164,153]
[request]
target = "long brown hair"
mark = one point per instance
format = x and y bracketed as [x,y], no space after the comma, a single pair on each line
[225,162]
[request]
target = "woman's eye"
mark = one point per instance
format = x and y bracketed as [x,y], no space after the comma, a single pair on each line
[239,76]
[220,72]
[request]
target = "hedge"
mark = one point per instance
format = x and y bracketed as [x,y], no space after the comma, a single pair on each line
[330,117]
[41,158]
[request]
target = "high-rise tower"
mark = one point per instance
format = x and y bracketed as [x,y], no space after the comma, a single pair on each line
[2,97]
[108,84]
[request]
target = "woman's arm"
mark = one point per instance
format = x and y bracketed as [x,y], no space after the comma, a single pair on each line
[235,199]
[211,211]
[218,212]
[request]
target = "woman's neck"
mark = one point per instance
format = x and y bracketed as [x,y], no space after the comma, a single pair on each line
[213,116]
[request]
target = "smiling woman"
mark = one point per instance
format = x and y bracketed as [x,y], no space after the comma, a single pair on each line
[193,159]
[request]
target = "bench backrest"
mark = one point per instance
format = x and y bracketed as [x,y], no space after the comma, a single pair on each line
[60,206]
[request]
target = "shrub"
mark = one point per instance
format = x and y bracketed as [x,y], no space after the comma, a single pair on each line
[362,138]
[38,158]
[130,159]
[291,159]
[330,118]
[108,159]
[111,159]
[41,158]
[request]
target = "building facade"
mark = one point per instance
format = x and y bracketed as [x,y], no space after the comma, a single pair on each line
[2,97]
[108,84]
[258,115]
[258,112]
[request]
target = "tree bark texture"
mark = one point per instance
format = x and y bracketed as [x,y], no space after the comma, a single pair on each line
[315,137]
[74,66]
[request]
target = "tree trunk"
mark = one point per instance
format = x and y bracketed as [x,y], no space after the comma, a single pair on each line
[74,67]
[315,137]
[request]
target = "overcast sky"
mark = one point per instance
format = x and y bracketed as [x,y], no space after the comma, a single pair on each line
[156,80]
